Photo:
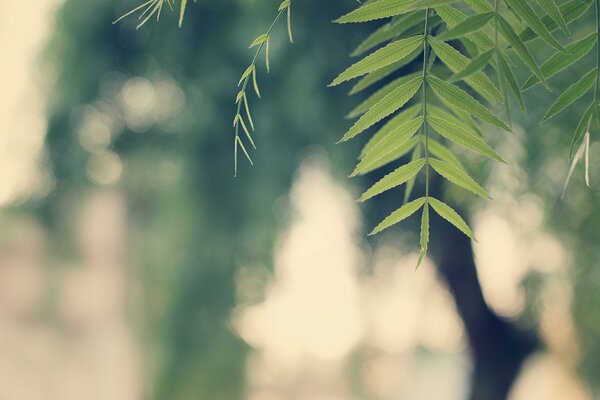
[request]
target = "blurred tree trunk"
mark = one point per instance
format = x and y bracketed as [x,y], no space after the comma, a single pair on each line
[498,347]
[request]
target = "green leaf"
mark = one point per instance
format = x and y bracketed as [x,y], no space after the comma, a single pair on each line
[393,155]
[450,215]
[461,99]
[243,147]
[457,62]
[390,54]
[399,215]
[550,7]
[182,12]
[289,23]
[259,40]
[377,10]
[399,119]
[284,4]
[480,6]
[506,74]
[255,82]
[246,73]
[388,105]
[511,36]
[582,152]
[393,179]
[238,120]
[468,25]
[380,94]
[524,11]
[458,117]
[384,72]
[574,92]
[410,185]
[440,151]
[582,127]
[560,61]
[457,177]
[452,17]
[462,136]
[462,120]
[432,3]
[466,120]
[389,31]
[476,65]
[424,233]
[571,11]
[388,144]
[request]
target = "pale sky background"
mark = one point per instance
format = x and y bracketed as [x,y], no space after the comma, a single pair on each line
[24,27]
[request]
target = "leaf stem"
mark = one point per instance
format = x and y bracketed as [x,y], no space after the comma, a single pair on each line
[496,6]
[424,100]
[597,52]
[501,76]
[237,139]
[597,84]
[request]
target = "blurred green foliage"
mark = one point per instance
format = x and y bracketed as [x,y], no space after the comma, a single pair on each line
[193,233]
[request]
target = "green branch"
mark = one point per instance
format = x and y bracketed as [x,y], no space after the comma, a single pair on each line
[261,42]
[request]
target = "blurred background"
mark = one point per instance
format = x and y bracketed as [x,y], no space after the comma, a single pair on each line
[134,266]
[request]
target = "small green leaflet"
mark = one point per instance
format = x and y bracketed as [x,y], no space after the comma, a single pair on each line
[389,31]
[452,17]
[388,144]
[507,77]
[288,4]
[550,7]
[462,136]
[182,12]
[461,99]
[259,40]
[377,10]
[480,6]
[394,155]
[399,119]
[424,233]
[475,66]
[390,54]
[380,94]
[463,121]
[511,36]
[457,177]
[582,127]
[376,76]
[571,11]
[456,62]
[574,92]
[468,25]
[560,61]
[399,215]
[524,11]
[432,3]
[582,152]
[450,215]
[388,105]
[440,151]
[393,179]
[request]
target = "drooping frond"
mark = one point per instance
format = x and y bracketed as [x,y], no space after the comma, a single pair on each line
[468,55]
[154,8]
[452,104]
[250,75]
